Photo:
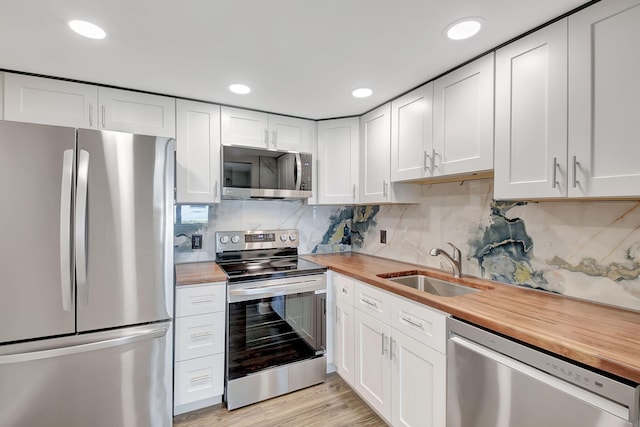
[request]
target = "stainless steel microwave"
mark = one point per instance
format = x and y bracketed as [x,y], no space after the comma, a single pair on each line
[250,173]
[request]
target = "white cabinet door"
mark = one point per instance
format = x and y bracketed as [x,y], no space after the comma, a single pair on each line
[338,158]
[197,152]
[48,101]
[139,113]
[463,119]
[419,383]
[344,352]
[412,135]
[604,89]
[373,367]
[531,116]
[375,148]
[198,336]
[198,379]
[244,127]
[291,134]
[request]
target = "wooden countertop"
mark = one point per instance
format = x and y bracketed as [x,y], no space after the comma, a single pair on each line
[199,272]
[599,336]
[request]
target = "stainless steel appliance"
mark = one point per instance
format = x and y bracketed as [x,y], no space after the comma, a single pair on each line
[86,277]
[276,326]
[497,382]
[255,173]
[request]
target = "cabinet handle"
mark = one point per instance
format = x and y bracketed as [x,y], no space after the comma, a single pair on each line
[90,114]
[384,189]
[372,304]
[411,322]
[384,347]
[426,161]
[103,114]
[391,353]
[344,291]
[200,378]
[554,173]
[274,137]
[201,335]
[202,301]
[575,179]
[434,154]
[215,190]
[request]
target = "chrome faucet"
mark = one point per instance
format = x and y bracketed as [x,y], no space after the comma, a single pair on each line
[456,260]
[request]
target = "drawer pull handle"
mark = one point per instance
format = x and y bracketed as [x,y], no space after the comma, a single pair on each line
[369,303]
[344,291]
[202,301]
[201,335]
[411,322]
[200,378]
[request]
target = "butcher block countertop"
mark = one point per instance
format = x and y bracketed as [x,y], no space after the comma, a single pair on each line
[599,336]
[199,272]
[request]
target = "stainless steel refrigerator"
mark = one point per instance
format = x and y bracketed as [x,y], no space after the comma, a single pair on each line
[86,274]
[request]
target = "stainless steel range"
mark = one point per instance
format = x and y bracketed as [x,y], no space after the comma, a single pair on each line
[276,317]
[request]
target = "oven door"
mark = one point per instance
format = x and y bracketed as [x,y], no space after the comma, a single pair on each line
[275,322]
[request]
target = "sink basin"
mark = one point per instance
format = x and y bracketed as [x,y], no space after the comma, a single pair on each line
[432,285]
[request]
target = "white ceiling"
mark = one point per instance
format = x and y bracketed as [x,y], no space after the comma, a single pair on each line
[300,57]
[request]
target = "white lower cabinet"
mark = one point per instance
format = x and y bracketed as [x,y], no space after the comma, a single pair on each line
[396,359]
[199,346]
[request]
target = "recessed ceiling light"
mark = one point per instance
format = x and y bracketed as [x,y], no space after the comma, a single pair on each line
[362,92]
[87,29]
[463,28]
[240,89]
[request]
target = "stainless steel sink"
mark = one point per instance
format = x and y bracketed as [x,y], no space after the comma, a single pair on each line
[432,285]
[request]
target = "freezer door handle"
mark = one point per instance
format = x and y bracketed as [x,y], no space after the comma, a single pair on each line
[141,334]
[81,227]
[66,260]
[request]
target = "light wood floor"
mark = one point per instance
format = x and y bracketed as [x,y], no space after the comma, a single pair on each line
[332,403]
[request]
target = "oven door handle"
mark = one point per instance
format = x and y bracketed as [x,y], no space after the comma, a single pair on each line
[244,294]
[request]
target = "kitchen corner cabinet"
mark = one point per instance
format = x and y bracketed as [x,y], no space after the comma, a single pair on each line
[269,131]
[463,119]
[531,116]
[604,89]
[400,360]
[199,346]
[412,135]
[338,160]
[197,152]
[375,164]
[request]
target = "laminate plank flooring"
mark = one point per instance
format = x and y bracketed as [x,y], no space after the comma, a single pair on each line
[331,403]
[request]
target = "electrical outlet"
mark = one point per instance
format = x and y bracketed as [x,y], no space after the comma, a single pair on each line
[196,241]
[383,236]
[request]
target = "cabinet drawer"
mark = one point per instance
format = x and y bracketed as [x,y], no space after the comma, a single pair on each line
[373,301]
[343,286]
[198,379]
[198,336]
[421,323]
[200,299]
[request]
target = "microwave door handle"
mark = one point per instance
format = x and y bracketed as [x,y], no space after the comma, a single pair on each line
[298,172]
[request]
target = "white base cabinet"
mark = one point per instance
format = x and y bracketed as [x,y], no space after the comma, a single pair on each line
[399,361]
[199,346]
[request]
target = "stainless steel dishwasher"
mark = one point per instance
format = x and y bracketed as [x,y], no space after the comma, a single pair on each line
[493,381]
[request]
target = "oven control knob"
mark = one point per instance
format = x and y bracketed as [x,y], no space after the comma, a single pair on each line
[235,239]
[224,240]
[284,237]
[293,237]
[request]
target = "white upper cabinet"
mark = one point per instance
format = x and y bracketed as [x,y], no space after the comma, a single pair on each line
[531,116]
[254,129]
[463,119]
[48,101]
[375,147]
[412,135]
[604,89]
[338,161]
[197,152]
[134,112]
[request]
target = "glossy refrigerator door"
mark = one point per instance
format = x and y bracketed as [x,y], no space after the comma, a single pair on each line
[123,220]
[36,188]
[105,379]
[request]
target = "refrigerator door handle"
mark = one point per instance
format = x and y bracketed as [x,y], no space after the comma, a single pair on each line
[66,261]
[81,227]
[143,334]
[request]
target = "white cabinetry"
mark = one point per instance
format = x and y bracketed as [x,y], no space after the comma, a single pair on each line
[255,129]
[463,119]
[400,361]
[199,346]
[338,161]
[58,102]
[197,152]
[412,135]
[531,115]
[48,101]
[604,90]
[344,342]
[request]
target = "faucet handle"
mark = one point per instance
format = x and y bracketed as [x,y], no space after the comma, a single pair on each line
[457,255]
